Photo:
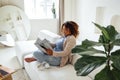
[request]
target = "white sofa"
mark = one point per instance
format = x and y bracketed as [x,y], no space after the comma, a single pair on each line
[26,48]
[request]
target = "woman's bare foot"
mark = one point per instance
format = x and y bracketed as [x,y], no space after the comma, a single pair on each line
[30,59]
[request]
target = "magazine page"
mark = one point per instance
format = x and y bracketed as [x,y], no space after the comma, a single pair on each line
[43,44]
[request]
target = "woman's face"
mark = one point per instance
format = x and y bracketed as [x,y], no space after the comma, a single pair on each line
[65,31]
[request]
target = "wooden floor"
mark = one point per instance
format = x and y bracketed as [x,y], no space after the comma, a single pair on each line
[20,75]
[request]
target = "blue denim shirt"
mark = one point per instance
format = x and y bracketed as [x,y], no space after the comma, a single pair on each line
[59,44]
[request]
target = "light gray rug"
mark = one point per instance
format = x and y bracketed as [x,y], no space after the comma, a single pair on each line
[20,75]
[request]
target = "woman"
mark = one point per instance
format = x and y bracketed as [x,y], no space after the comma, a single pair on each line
[61,53]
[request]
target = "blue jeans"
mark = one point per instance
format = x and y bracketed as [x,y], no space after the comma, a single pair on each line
[40,56]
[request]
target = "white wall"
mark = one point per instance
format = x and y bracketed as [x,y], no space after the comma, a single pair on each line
[70,10]
[81,11]
[36,24]
[18,3]
[86,13]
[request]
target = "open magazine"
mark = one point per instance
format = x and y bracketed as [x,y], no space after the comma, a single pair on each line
[43,44]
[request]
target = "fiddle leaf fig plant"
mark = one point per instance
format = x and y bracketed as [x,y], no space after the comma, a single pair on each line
[108,39]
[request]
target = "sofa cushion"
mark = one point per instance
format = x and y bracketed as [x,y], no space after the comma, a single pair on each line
[23,48]
[45,34]
[53,73]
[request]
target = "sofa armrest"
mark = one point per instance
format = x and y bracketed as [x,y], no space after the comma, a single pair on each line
[74,58]
[45,34]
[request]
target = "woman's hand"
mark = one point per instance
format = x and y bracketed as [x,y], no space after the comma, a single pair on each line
[49,51]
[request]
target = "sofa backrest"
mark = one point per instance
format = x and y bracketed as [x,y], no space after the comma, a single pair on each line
[45,34]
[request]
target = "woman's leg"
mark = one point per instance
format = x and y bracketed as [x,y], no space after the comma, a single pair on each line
[40,57]
[31,59]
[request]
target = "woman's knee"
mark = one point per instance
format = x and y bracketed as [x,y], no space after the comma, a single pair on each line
[36,53]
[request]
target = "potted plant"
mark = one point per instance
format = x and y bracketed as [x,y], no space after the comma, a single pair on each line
[109,38]
[53,10]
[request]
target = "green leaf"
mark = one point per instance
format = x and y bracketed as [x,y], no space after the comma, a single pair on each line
[104,74]
[116,74]
[103,29]
[78,49]
[88,43]
[112,32]
[116,53]
[108,46]
[86,51]
[86,48]
[86,64]
[115,57]
[117,40]
[104,41]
